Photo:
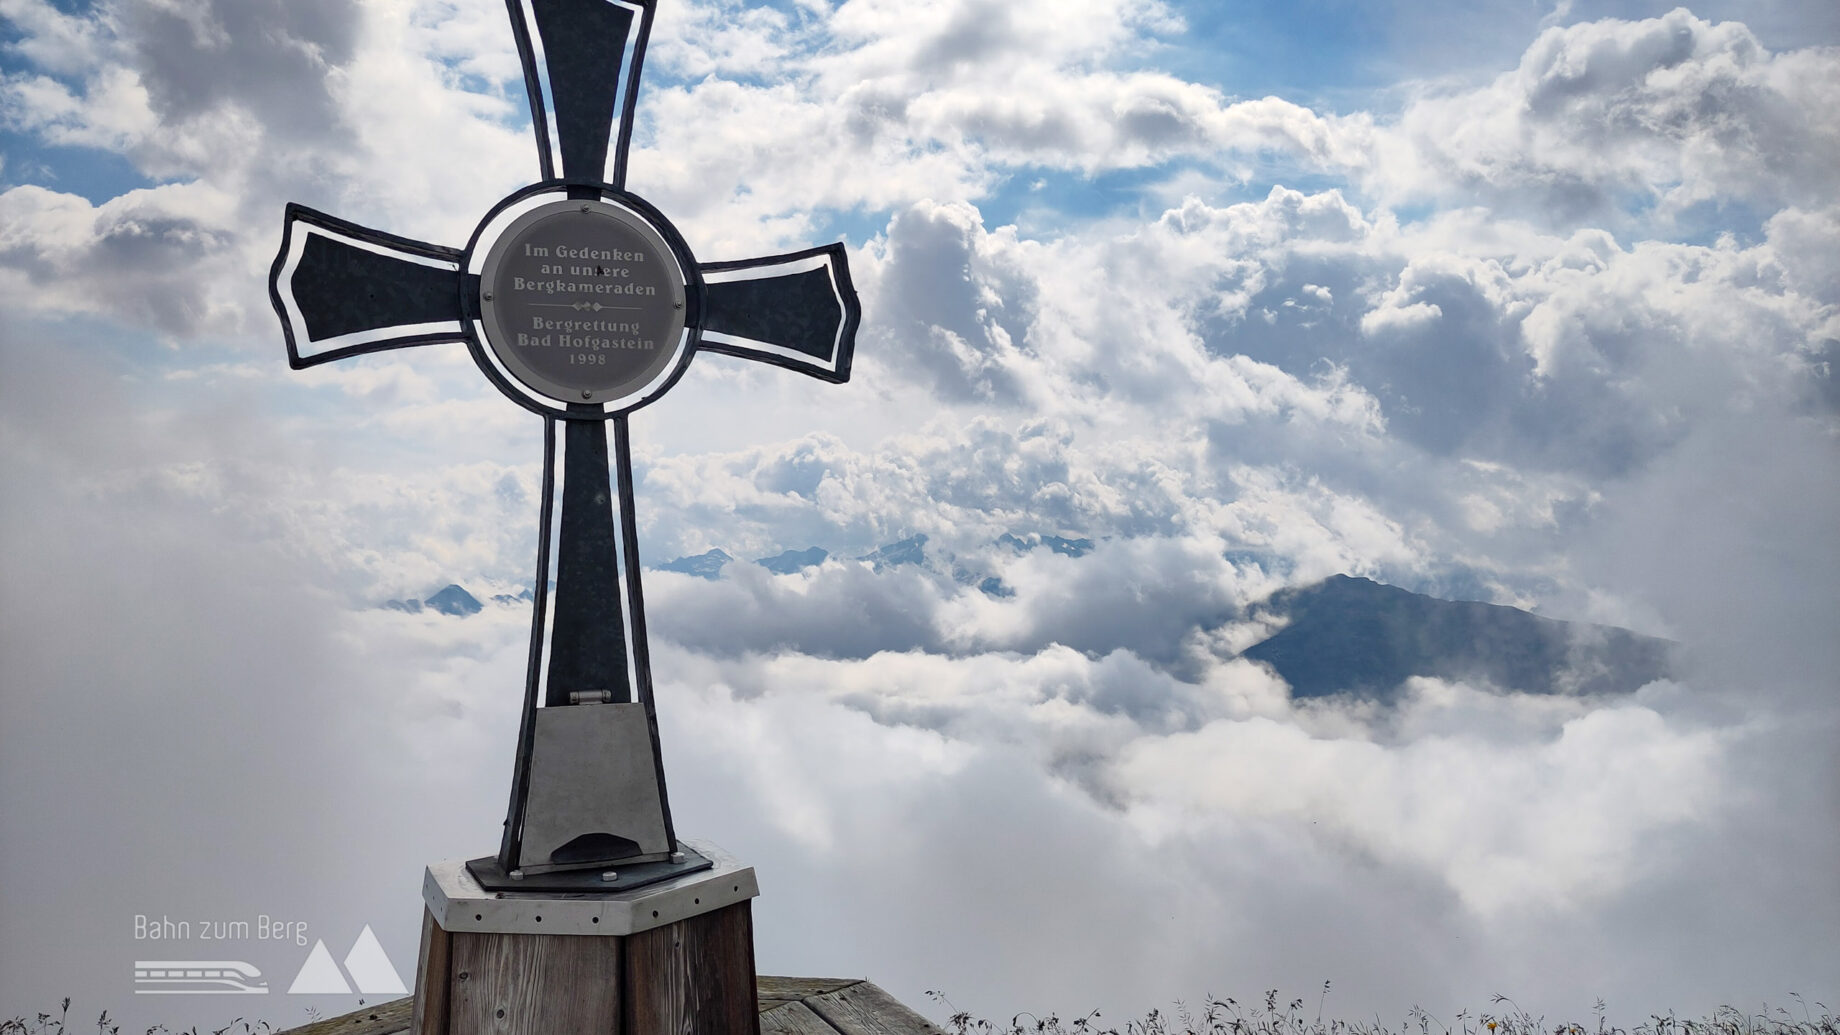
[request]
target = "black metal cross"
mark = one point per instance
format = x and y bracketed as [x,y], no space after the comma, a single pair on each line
[582,303]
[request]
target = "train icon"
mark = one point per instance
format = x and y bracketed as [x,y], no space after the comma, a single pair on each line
[198,977]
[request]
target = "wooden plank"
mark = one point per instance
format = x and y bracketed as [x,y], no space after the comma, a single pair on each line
[773,995]
[383,1019]
[864,1009]
[793,1018]
[795,988]
[693,977]
[509,984]
[431,979]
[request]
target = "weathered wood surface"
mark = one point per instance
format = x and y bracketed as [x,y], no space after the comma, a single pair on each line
[498,978]
[864,1009]
[382,1019]
[774,990]
[793,1018]
[431,985]
[693,976]
[788,1006]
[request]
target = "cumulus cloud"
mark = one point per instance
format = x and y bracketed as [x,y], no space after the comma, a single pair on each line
[1607,778]
[135,258]
[944,101]
[758,123]
[227,111]
[1601,120]
[1672,111]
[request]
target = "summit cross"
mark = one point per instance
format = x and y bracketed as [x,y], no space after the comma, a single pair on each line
[580,302]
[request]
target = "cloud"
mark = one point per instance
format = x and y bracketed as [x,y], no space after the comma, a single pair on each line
[1606,778]
[182,89]
[328,94]
[143,258]
[1604,119]
[1672,111]
[228,111]
[944,102]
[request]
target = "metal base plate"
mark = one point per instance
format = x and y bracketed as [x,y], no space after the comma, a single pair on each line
[492,876]
[459,904]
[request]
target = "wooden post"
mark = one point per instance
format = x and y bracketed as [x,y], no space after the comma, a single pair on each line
[672,958]
[534,984]
[431,983]
[693,976]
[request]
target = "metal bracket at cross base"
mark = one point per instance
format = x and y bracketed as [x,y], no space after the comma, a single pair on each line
[582,303]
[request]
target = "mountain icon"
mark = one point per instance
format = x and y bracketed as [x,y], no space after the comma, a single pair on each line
[368,965]
[319,975]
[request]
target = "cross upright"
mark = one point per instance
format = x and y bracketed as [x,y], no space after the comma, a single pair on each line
[580,302]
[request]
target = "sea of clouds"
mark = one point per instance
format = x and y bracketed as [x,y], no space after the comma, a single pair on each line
[1561,335]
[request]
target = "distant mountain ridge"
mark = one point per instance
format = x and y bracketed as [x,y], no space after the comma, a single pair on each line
[794,560]
[911,550]
[1348,635]
[1059,544]
[705,565]
[1343,635]
[450,600]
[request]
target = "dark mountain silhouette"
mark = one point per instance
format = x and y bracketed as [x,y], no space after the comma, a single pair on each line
[911,550]
[705,565]
[793,560]
[1357,636]
[454,601]
[451,600]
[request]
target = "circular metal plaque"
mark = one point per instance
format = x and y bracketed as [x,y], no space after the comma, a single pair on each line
[582,301]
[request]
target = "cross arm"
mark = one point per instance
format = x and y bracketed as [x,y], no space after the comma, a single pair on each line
[582,60]
[343,290]
[797,310]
